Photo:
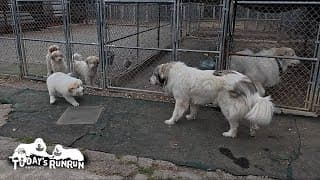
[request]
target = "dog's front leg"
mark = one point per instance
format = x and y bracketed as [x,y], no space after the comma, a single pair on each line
[193,112]
[71,100]
[180,108]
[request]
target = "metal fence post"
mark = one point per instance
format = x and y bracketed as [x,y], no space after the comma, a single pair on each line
[100,6]
[315,90]
[67,33]
[175,29]
[138,28]
[225,25]
[18,32]
[159,24]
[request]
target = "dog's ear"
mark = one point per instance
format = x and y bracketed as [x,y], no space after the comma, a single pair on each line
[164,70]
[53,48]
[72,87]
[284,51]
[92,60]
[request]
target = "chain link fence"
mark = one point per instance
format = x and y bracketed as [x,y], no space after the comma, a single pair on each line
[261,25]
[132,38]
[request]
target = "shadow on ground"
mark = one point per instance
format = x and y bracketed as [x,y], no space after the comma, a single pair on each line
[288,148]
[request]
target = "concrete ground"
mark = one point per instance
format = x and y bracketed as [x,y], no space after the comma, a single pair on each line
[288,148]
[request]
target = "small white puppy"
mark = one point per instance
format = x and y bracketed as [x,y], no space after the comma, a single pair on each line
[235,94]
[86,69]
[63,85]
[61,153]
[55,60]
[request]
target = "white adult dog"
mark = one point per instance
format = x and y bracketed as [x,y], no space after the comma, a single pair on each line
[265,72]
[55,60]
[86,69]
[37,148]
[233,92]
[63,85]
[61,153]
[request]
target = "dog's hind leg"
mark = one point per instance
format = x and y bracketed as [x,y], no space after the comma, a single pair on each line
[52,97]
[233,123]
[233,120]
[180,108]
[253,128]
[193,112]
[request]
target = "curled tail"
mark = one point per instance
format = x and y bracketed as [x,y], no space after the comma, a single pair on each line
[262,111]
[77,57]
[260,108]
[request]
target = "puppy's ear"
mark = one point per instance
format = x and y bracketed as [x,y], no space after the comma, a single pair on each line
[53,48]
[72,87]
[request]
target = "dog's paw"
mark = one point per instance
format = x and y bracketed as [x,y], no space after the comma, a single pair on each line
[190,117]
[229,134]
[52,100]
[169,122]
[75,104]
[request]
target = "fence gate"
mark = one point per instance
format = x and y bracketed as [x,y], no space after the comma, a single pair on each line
[132,37]
[262,25]
[139,35]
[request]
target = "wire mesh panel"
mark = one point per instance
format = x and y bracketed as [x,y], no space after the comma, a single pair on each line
[41,26]
[260,28]
[199,36]
[138,37]
[9,63]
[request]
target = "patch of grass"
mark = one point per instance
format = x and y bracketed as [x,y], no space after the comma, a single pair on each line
[26,140]
[146,170]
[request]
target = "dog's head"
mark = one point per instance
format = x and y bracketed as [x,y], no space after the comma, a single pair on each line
[57,56]
[92,61]
[53,48]
[76,88]
[57,151]
[289,52]
[160,74]
[40,145]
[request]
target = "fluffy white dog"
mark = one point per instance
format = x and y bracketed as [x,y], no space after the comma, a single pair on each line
[55,60]
[86,69]
[265,72]
[37,148]
[61,153]
[63,85]
[233,92]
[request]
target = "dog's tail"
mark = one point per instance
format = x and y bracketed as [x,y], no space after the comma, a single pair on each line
[260,108]
[77,57]
[262,111]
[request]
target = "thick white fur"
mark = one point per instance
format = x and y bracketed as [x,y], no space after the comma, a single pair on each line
[55,60]
[63,85]
[37,148]
[61,153]
[86,69]
[263,71]
[192,87]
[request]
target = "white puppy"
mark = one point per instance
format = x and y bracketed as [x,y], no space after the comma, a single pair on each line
[86,69]
[37,148]
[234,93]
[61,153]
[265,72]
[63,85]
[55,60]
